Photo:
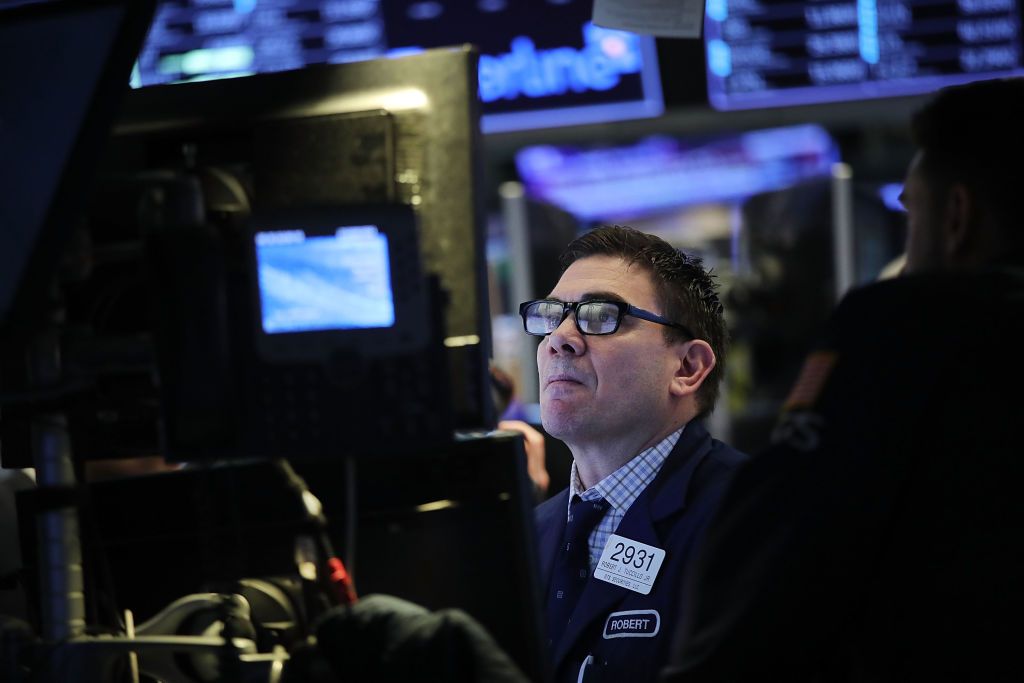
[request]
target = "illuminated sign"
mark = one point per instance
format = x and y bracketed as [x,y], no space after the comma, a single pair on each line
[529,72]
[661,173]
[535,71]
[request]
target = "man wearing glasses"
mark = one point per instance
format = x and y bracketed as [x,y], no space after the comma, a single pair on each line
[630,360]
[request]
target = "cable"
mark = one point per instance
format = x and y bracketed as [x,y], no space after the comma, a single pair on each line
[336,579]
[350,512]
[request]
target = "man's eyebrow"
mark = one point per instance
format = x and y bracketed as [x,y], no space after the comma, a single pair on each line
[592,296]
[601,296]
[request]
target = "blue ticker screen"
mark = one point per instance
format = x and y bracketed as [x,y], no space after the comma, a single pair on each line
[324,282]
[764,53]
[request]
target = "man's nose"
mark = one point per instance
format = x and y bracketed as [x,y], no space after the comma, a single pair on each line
[566,338]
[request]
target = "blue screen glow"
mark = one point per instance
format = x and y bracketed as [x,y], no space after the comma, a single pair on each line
[661,173]
[324,282]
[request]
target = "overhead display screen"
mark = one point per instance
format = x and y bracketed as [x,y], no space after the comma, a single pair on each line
[542,63]
[764,53]
[660,173]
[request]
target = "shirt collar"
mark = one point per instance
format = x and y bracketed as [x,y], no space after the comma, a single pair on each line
[623,486]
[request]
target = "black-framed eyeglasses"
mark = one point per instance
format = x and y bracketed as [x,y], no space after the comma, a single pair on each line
[542,317]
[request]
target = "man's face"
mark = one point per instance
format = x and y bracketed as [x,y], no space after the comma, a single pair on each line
[595,388]
[925,247]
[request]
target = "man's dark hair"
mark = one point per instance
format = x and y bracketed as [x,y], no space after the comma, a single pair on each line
[974,134]
[687,292]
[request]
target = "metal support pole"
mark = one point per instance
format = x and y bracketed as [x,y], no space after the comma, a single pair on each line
[517,234]
[843,250]
[62,599]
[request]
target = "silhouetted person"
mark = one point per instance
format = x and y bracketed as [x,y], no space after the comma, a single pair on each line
[880,537]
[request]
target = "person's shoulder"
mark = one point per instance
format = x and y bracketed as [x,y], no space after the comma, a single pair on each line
[878,297]
[727,456]
[721,463]
[697,437]
[915,304]
[716,468]
[936,286]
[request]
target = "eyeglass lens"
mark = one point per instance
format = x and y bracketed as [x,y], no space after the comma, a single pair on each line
[594,317]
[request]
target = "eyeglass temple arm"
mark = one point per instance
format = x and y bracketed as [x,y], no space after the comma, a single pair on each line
[655,318]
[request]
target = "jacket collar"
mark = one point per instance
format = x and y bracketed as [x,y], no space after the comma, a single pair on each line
[551,520]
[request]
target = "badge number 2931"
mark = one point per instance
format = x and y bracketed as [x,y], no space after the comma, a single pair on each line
[630,564]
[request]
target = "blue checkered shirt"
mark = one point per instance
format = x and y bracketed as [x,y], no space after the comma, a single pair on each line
[620,488]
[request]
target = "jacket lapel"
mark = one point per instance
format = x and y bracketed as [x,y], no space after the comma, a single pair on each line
[550,520]
[665,497]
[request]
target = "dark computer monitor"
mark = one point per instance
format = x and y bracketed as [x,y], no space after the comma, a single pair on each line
[199,183]
[193,178]
[399,132]
[312,333]
[63,67]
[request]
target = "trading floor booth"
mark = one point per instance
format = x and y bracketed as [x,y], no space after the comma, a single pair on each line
[277,284]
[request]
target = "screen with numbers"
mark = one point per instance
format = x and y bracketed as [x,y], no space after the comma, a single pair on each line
[542,62]
[765,53]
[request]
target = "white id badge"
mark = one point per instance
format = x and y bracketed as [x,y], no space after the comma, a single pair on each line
[630,564]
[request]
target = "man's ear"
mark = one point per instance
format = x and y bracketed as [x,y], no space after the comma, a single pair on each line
[959,223]
[696,361]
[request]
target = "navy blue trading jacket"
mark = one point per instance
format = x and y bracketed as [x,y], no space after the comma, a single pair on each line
[670,515]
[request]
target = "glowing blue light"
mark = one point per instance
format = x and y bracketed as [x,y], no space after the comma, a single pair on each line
[660,173]
[718,9]
[890,195]
[867,29]
[719,58]
[424,11]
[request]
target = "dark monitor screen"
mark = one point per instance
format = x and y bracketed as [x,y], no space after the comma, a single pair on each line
[543,63]
[399,132]
[769,53]
[61,66]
